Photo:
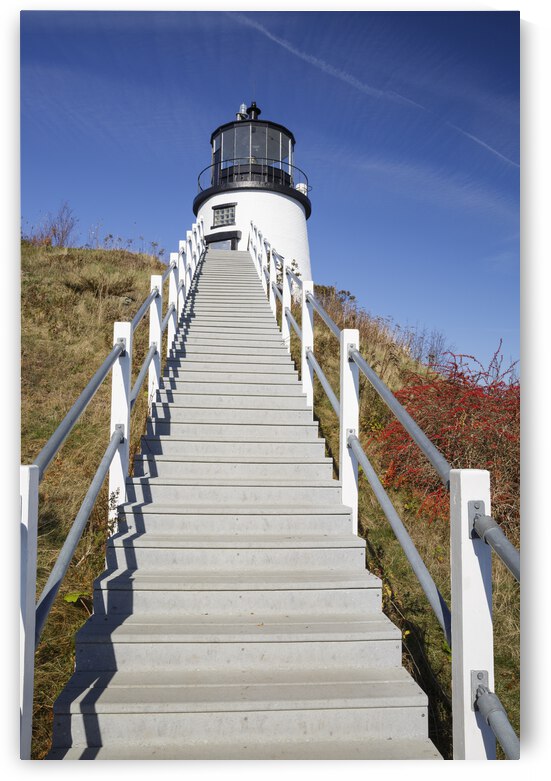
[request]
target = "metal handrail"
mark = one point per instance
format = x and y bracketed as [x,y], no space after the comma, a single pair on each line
[48,452]
[167,317]
[324,381]
[141,376]
[259,169]
[266,274]
[294,277]
[140,314]
[69,546]
[171,265]
[277,291]
[419,437]
[323,314]
[495,715]
[435,598]
[293,322]
[488,530]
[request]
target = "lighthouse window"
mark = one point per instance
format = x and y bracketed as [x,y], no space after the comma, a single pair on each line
[223,215]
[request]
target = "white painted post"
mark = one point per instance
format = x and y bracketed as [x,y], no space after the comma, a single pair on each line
[155,336]
[172,299]
[472,629]
[189,260]
[272,270]
[182,281]
[28,490]
[286,304]
[262,262]
[349,422]
[120,416]
[307,327]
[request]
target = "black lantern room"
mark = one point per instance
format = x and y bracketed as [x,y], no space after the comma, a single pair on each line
[250,153]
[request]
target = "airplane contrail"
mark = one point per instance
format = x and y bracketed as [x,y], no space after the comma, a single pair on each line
[348,78]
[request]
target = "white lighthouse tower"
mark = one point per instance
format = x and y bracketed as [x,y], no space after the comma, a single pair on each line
[253,177]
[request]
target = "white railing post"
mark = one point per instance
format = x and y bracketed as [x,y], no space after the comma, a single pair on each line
[349,422]
[307,327]
[155,337]
[262,262]
[272,270]
[28,490]
[182,281]
[286,304]
[189,260]
[120,416]
[172,299]
[471,609]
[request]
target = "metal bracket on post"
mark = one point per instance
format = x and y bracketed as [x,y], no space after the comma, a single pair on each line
[475,508]
[121,341]
[478,678]
[350,432]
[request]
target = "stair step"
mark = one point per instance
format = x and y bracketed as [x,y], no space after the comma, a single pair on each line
[237,521]
[172,466]
[275,356]
[191,364]
[246,417]
[236,432]
[183,446]
[155,643]
[175,553]
[230,401]
[243,594]
[190,384]
[346,749]
[231,491]
[227,376]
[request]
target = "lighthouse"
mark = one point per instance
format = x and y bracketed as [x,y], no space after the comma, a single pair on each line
[253,177]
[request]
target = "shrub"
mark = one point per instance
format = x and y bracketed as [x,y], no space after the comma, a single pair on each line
[472,414]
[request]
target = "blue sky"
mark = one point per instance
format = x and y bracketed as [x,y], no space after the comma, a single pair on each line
[407,125]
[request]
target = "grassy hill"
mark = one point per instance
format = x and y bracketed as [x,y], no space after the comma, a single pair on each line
[71,297]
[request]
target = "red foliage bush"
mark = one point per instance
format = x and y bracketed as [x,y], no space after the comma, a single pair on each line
[472,414]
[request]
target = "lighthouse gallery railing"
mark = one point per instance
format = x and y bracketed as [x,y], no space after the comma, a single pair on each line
[115,461]
[478,715]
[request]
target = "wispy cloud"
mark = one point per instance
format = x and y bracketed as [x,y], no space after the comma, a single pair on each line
[482,144]
[424,183]
[324,66]
[352,81]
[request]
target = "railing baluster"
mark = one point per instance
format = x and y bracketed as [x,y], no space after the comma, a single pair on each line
[120,416]
[172,299]
[349,420]
[272,270]
[155,337]
[471,608]
[182,280]
[28,489]
[307,326]
[285,304]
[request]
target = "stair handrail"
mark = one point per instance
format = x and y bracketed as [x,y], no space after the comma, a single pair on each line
[114,462]
[473,531]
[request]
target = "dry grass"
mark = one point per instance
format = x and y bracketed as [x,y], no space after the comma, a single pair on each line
[70,299]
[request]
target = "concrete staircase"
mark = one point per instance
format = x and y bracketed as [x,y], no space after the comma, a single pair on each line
[235,618]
